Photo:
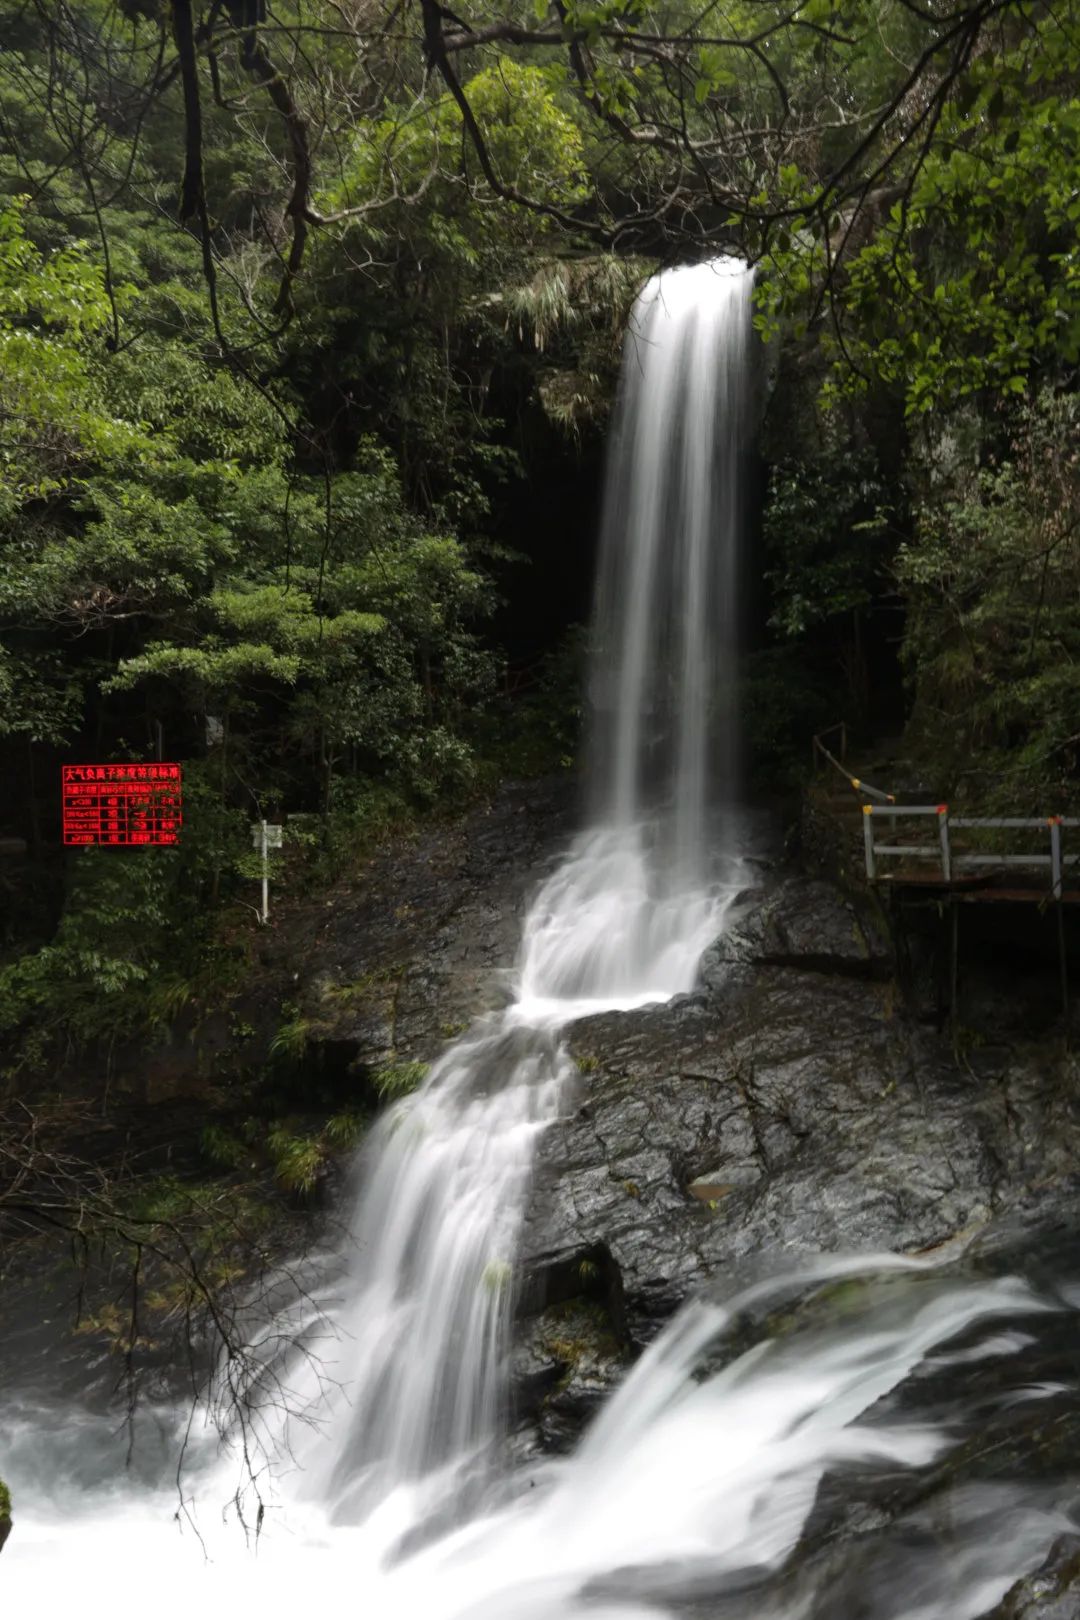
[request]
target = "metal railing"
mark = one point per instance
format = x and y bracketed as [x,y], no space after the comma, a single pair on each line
[951,859]
[820,752]
[818,742]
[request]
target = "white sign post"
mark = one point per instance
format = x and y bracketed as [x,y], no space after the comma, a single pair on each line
[266,835]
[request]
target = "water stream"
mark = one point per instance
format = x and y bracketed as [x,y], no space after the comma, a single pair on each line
[382,1472]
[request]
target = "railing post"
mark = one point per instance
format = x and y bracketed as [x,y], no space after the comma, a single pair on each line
[868,841]
[1059,895]
[954,972]
[1055,855]
[943,836]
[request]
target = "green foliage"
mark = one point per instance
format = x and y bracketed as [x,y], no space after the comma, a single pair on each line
[574,312]
[988,289]
[358,636]
[992,576]
[113,938]
[53,308]
[134,947]
[534,146]
[344,1130]
[297,1160]
[291,1038]
[296,1155]
[223,1149]
[5,1502]
[432,329]
[162,561]
[540,732]
[160,1200]
[396,1080]
[362,816]
[825,524]
[957,308]
[969,284]
[787,693]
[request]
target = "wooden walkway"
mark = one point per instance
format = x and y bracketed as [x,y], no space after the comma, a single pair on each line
[953,855]
[920,846]
[923,854]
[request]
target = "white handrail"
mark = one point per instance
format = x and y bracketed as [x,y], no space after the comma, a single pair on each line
[949,859]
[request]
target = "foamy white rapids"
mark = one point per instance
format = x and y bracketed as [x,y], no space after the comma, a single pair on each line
[401,1377]
[698,1481]
[610,930]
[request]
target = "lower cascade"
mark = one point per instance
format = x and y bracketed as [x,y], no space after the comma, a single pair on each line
[767,1416]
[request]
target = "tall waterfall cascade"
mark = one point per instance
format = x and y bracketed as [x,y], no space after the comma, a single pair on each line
[626,918]
[421,1339]
[378,1462]
[662,691]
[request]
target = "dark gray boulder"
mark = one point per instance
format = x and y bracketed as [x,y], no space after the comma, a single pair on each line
[790,1106]
[1052,1592]
[811,924]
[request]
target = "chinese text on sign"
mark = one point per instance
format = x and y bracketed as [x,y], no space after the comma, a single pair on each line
[122,804]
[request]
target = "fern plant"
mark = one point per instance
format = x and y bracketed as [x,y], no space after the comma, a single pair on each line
[396,1080]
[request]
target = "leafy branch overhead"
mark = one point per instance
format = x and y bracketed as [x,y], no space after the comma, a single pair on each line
[621,122]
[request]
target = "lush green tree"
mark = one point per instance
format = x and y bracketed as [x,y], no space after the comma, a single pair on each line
[971,284]
[170,576]
[992,578]
[948,324]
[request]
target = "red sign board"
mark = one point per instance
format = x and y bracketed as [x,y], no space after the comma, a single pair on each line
[122,804]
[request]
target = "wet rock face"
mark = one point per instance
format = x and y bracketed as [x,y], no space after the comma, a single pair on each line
[789,1106]
[392,969]
[564,1366]
[808,924]
[1052,1592]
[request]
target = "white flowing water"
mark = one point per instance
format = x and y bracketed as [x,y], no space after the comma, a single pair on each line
[380,1469]
[662,693]
[693,1488]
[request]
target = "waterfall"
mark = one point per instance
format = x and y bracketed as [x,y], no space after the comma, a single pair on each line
[626,918]
[664,730]
[417,1348]
[704,1472]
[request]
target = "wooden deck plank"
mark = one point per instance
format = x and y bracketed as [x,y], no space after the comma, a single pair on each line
[973,892]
